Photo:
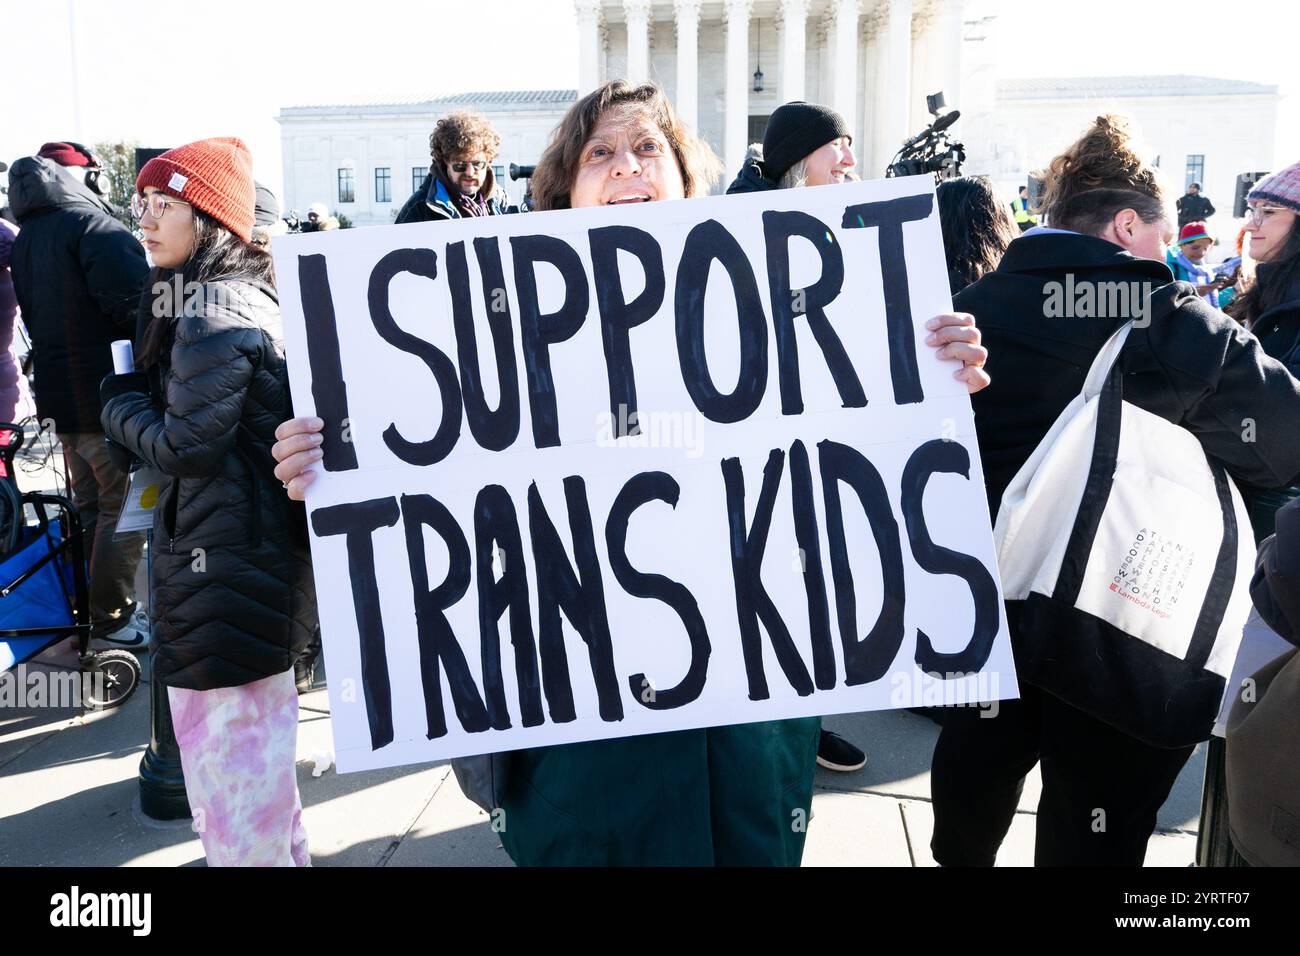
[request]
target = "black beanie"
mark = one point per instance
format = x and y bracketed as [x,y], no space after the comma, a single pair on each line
[795,130]
[266,210]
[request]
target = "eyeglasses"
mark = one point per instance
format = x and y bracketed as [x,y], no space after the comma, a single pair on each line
[155,204]
[478,164]
[1258,213]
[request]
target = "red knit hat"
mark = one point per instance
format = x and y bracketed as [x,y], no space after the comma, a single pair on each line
[1193,231]
[68,154]
[214,176]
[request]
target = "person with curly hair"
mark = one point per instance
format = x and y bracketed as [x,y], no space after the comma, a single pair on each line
[460,182]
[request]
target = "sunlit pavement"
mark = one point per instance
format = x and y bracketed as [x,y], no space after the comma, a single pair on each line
[68,797]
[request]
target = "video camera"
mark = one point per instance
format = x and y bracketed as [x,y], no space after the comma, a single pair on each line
[930,150]
[521,172]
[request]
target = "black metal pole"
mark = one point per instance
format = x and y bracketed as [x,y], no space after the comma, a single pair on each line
[162,783]
[1213,842]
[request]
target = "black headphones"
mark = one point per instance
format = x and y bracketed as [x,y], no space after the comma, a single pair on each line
[93,171]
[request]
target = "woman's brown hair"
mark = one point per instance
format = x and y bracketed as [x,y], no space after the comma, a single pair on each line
[558,165]
[1272,283]
[1100,174]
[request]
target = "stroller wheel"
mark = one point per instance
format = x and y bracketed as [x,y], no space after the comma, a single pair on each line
[114,676]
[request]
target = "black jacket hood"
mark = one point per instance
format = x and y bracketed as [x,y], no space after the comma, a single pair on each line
[37,183]
[751,179]
[1055,252]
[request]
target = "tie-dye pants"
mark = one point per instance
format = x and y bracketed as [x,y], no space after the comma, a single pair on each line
[238,749]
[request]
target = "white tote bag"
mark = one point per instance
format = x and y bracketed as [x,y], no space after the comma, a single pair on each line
[1130,554]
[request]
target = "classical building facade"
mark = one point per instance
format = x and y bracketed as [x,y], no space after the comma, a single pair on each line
[1196,128]
[873,60]
[727,64]
[365,159]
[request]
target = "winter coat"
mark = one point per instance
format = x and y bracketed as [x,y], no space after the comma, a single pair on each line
[1191,208]
[432,203]
[15,399]
[78,273]
[721,796]
[751,179]
[1278,331]
[1278,328]
[234,600]
[1275,588]
[1191,365]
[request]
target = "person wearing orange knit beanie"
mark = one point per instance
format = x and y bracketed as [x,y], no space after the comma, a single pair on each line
[234,604]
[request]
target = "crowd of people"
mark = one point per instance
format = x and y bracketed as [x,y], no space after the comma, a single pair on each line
[208,406]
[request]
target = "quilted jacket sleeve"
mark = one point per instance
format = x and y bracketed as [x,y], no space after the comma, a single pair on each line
[1242,404]
[212,362]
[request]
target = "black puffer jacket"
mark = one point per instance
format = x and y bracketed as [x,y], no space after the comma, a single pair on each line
[78,273]
[233,592]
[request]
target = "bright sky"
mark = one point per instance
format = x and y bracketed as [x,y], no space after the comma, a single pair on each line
[168,73]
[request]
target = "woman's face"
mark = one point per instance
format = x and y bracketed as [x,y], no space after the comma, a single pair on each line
[170,238]
[627,159]
[1269,226]
[830,164]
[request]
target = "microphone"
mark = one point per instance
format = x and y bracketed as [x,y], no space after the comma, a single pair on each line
[944,121]
[939,125]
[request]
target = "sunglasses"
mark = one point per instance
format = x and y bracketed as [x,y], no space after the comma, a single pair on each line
[478,164]
[155,204]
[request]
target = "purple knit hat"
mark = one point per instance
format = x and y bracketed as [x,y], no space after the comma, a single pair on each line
[1282,188]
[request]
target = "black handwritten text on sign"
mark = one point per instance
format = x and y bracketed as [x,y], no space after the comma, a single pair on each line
[603,472]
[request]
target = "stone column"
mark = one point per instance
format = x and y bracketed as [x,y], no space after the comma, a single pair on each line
[946,50]
[921,82]
[638,40]
[844,91]
[864,144]
[794,16]
[893,77]
[687,15]
[736,121]
[589,42]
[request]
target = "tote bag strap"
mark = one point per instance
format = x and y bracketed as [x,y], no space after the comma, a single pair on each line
[1105,361]
[1105,382]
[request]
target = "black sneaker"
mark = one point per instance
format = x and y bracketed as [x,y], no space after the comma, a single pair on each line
[836,753]
[304,674]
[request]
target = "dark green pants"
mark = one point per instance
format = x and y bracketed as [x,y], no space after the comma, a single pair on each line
[725,796]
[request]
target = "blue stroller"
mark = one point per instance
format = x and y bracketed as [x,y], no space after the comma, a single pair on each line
[44,596]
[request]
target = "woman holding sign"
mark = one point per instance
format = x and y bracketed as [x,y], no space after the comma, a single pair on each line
[736,795]
[234,603]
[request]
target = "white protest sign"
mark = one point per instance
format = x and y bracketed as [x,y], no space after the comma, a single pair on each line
[602,472]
